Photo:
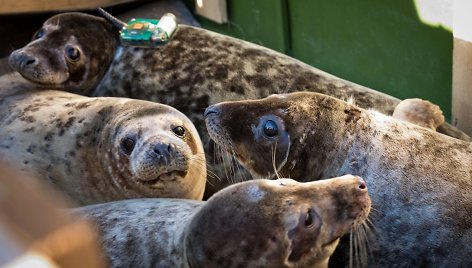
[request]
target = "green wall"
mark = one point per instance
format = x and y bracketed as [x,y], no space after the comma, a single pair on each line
[381,44]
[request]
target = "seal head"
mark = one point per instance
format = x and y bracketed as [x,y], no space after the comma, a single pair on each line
[281,223]
[71,50]
[262,140]
[158,149]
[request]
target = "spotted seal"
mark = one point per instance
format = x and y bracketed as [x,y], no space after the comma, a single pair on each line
[420,181]
[100,149]
[81,53]
[259,223]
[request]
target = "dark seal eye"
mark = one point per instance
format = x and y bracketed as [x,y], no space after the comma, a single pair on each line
[270,129]
[72,53]
[127,145]
[308,219]
[39,34]
[179,131]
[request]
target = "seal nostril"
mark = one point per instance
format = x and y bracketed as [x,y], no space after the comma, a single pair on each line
[162,149]
[361,184]
[210,110]
[31,61]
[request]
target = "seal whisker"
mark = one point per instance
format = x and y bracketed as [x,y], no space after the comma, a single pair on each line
[351,250]
[211,173]
[361,251]
[240,174]
[274,148]
[367,250]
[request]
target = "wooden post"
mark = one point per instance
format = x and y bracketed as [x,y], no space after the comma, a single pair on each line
[214,10]
[36,230]
[462,66]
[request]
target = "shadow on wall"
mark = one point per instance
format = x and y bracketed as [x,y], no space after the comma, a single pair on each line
[380,44]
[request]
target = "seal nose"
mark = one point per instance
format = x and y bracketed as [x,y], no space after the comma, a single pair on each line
[21,60]
[213,109]
[361,184]
[162,150]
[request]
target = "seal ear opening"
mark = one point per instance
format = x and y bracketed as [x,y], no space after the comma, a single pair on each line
[116,22]
[304,236]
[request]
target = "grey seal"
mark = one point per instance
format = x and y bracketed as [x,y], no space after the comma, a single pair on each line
[100,149]
[420,181]
[82,54]
[259,223]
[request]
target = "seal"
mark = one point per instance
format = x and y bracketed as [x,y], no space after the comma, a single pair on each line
[259,223]
[420,181]
[100,149]
[81,53]
[420,112]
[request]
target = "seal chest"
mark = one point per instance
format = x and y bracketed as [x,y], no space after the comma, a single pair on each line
[420,181]
[100,149]
[291,225]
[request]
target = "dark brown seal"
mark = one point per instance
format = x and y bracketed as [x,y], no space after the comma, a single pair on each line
[258,223]
[420,181]
[100,149]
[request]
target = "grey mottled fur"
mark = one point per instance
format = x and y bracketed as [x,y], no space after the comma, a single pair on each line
[258,223]
[196,69]
[75,144]
[420,181]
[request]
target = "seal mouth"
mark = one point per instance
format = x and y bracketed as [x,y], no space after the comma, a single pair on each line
[165,177]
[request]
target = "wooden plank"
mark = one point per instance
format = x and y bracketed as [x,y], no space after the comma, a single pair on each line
[214,10]
[26,6]
[34,227]
[462,66]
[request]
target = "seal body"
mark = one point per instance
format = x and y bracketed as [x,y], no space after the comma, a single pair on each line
[100,149]
[420,181]
[195,69]
[259,223]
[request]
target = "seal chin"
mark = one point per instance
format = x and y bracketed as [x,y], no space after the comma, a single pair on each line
[46,80]
[167,176]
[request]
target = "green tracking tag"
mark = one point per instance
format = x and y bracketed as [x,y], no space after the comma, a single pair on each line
[149,32]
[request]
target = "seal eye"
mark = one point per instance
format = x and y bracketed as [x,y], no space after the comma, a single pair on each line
[308,218]
[179,131]
[39,34]
[270,129]
[73,53]
[127,144]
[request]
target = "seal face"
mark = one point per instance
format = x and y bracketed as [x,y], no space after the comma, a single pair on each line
[69,52]
[101,149]
[407,167]
[258,223]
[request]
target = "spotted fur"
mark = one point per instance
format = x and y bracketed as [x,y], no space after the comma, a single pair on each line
[420,181]
[259,223]
[76,143]
[196,69]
